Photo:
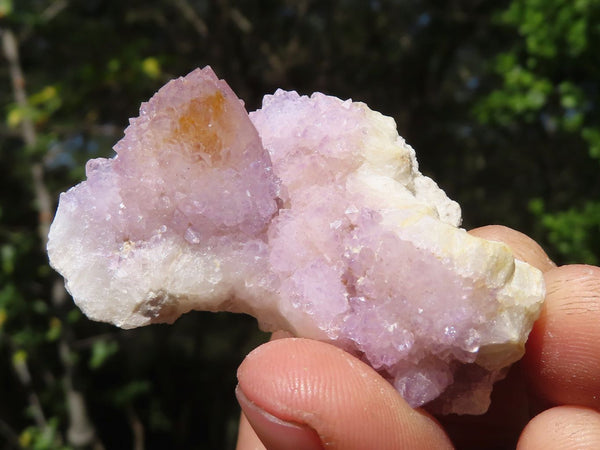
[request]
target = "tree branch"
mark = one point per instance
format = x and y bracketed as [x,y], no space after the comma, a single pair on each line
[190,14]
[21,368]
[81,432]
[137,428]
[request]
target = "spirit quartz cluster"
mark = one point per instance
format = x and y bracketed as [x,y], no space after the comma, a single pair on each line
[309,214]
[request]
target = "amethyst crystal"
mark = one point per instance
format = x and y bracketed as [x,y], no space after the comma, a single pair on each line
[311,215]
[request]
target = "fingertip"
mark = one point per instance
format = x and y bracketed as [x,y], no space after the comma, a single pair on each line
[345,401]
[524,248]
[562,361]
[564,428]
[274,433]
[247,438]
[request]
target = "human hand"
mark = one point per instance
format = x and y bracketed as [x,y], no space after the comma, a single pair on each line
[303,394]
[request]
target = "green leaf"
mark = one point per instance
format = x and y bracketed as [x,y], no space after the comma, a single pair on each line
[15,116]
[130,391]
[7,254]
[536,206]
[577,37]
[114,65]
[46,95]
[42,438]
[102,349]
[54,329]
[40,307]
[592,136]
[74,315]
[19,357]
[151,67]
[6,8]
[575,232]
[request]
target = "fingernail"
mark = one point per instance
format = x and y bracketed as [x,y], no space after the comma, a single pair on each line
[277,434]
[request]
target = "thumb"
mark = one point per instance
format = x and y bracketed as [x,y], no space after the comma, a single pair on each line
[299,393]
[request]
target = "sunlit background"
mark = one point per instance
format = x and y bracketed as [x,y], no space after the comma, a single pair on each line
[500,100]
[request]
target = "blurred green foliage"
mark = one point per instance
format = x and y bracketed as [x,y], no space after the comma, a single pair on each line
[548,78]
[500,99]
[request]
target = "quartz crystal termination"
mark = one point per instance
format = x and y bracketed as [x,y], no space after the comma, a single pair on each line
[311,215]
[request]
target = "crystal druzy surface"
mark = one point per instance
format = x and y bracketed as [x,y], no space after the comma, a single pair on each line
[311,215]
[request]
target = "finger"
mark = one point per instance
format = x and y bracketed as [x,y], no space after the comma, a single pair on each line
[562,360]
[293,386]
[247,438]
[523,247]
[509,411]
[564,428]
[563,350]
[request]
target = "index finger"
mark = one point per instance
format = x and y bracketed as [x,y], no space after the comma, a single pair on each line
[562,361]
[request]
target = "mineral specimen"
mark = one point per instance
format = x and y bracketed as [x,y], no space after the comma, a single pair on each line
[311,215]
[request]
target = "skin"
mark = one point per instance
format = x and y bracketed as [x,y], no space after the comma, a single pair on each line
[297,393]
